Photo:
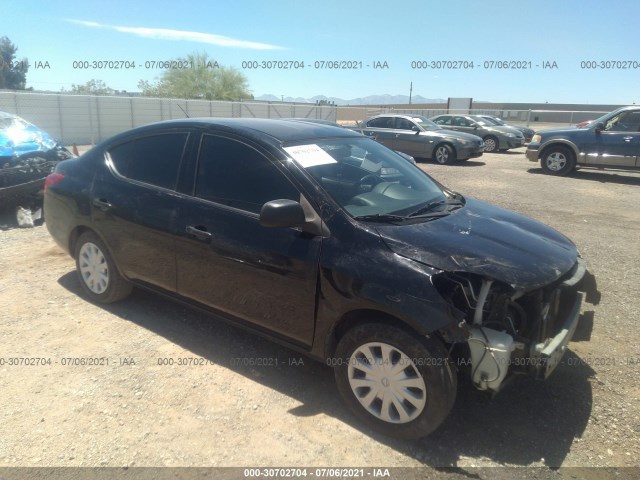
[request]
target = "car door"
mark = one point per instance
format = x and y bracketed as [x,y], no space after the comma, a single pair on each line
[408,139]
[134,205]
[265,277]
[381,129]
[463,124]
[618,144]
[445,121]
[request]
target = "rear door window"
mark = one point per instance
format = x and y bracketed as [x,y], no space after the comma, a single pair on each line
[154,160]
[382,122]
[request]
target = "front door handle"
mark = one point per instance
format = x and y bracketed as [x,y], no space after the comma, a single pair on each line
[627,139]
[198,231]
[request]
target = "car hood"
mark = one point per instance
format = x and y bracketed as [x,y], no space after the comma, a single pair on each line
[486,240]
[563,131]
[444,133]
[502,129]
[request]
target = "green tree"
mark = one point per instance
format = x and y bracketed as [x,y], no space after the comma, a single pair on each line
[92,87]
[202,78]
[13,73]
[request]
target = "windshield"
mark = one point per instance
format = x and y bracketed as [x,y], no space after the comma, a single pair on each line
[491,120]
[425,123]
[483,121]
[366,178]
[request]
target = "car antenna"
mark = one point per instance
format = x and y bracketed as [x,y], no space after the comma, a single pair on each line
[185,113]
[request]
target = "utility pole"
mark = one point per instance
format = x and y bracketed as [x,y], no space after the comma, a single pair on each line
[410,92]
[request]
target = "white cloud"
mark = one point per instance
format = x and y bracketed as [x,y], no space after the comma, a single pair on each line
[184,35]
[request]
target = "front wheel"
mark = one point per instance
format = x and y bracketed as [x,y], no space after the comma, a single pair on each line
[399,384]
[99,277]
[444,155]
[558,161]
[491,144]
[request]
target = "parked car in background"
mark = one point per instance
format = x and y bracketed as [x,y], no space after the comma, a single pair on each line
[527,132]
[417,136]
[496,137]
[329,242]
[320,121]
[27,156]
[611,141]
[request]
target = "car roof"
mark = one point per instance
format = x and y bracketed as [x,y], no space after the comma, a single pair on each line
[282,130]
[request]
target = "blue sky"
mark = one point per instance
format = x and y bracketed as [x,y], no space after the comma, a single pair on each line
[565,32]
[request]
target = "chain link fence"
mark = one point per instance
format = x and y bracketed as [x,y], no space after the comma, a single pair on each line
[89,119]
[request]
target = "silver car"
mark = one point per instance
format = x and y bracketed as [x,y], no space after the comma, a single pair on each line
[496,137]
[418,136]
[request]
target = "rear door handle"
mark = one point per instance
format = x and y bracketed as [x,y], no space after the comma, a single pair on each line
[627,139]
[101,204]
[198,232]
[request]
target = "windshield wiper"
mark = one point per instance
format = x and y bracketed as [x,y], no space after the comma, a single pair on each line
[426,209]
[381,217]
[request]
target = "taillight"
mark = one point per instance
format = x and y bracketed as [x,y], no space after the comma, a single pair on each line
[52,180]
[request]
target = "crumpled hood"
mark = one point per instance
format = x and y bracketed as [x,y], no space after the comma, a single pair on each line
[486,240]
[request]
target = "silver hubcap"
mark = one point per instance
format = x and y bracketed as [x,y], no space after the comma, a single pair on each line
[93,268]
[489,145]
[442,155]
[556,161]
[387,383]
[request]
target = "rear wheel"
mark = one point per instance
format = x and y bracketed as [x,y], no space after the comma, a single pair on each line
[397,383]
[558,160]
[99,277]
[444,155]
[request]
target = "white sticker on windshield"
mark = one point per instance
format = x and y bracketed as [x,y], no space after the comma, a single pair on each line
[310,155]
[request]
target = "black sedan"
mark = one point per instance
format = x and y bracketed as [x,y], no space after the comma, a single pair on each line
[329,242]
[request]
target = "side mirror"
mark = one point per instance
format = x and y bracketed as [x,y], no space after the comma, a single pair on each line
[599,127]
[282,213]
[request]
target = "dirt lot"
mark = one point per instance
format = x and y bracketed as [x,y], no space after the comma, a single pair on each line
[136,409]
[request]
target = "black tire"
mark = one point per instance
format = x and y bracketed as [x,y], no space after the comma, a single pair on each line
[99,277]
[444,154]
[491,144]
[427,364]
[558,160]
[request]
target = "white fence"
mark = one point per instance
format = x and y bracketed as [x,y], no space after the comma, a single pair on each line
[89,119]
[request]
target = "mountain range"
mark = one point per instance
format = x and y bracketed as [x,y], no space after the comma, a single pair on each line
[369,100]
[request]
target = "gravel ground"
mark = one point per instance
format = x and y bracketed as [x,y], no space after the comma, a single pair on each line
[135,408]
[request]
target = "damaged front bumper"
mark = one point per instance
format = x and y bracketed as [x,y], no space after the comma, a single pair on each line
[517,332]
[548,354]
